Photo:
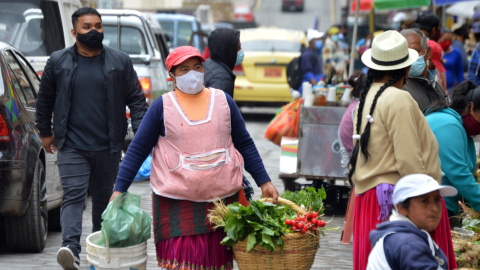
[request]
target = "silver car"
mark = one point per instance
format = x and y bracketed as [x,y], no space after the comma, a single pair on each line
[130,31]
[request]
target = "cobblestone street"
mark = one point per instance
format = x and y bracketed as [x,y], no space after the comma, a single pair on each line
[331,255]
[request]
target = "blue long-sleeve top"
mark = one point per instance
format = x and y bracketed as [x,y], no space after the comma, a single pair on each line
[454,66]
[473,75]
[153,126]
[457,156]
[311,66]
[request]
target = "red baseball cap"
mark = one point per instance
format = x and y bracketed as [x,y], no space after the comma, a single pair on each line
[437,55]
[180,54]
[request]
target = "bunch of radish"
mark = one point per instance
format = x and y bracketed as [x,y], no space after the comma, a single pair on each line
[309,221]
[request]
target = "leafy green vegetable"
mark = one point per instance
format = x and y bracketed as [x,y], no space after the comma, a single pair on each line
[471,225]
[309,197]
[263,223]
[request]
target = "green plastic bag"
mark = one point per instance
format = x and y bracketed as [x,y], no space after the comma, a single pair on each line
[124,223]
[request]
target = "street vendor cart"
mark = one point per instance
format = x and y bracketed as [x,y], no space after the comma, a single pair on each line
[315,155]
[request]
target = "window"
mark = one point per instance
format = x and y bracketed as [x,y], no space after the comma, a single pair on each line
[132,40]
[110,36]
[32,26]
[21,83]
[30,73]
[271,46]
[184,33]
[167,28]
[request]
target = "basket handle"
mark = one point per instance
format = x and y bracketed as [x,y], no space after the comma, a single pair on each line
[283,201]
[108,249]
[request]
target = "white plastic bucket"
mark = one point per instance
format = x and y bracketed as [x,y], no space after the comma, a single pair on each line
[127,258]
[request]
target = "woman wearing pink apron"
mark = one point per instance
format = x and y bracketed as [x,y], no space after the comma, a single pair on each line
[200,147]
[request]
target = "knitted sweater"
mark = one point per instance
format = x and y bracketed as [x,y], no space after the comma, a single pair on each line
[400,143]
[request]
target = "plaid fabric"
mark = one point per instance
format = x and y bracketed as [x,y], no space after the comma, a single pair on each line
[173,218]
[247,188]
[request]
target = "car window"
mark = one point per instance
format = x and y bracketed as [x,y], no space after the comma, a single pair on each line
[110,36]
[21,83]
[271,45]
[34,27]
[167,28]
[184,33]
[30,72]
[132,40]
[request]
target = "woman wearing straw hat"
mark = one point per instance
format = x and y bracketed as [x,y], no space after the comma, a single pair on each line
[199,142]
[392,139]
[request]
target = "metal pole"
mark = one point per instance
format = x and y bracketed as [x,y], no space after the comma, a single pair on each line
[354,40]
[444,17]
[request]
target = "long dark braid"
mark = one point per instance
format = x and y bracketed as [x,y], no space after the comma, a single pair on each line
[364,138]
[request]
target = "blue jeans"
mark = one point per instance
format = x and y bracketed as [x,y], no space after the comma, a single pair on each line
[80,170]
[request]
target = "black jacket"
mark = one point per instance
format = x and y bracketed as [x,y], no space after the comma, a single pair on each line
[122,88]
[424,92]
[223,45]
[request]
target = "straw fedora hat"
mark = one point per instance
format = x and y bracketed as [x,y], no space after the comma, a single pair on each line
[389,52]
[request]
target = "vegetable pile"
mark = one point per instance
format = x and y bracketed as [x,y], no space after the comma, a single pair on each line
[262,223]
[309,198]
[309,221]
[466,241]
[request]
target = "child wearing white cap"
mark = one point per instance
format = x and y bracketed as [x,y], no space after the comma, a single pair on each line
[404,242]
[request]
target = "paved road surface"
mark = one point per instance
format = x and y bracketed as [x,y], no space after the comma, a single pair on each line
[331,255]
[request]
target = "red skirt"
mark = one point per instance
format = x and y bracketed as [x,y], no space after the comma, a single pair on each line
[366,213]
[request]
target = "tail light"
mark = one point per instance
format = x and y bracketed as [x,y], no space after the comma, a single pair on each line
[128,115]
[238,70]
[4,132]
[146,87]
[40,73]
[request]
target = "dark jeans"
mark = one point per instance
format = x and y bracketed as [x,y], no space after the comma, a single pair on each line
[81,170]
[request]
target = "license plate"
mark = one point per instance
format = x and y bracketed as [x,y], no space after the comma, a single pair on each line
[273,72]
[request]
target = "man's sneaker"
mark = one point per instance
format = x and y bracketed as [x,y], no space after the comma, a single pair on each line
[67,259]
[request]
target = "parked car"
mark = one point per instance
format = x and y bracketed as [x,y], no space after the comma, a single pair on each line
[293,5]
[37,28]
[182,30]
[129,31]
[243,13]
[261,78]
[30,188]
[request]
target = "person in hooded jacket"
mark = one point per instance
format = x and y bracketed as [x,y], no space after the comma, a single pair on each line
[404,242]
[225,53]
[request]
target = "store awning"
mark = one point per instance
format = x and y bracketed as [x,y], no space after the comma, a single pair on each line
[367,5]
[400,4]
[463,9]
[449,2]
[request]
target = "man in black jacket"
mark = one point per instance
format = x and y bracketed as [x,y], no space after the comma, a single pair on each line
[225,53]
[87,87]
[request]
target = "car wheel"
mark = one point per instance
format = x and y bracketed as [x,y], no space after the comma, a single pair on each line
[28,233]
[54,220]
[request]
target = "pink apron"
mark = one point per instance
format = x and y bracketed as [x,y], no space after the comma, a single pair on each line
[196,160]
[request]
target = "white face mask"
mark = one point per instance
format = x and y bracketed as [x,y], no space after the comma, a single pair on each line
[191,83]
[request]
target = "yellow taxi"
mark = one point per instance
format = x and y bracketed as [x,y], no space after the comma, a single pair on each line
[262,78]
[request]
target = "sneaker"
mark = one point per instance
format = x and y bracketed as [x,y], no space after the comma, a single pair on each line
[67,259]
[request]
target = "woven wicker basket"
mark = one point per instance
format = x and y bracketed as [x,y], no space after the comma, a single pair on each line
[298,253]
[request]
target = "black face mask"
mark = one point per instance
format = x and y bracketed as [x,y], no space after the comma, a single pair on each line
[92,39]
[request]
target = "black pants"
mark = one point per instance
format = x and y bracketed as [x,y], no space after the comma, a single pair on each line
[80,170]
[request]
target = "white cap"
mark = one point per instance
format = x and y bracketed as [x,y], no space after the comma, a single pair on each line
[313,34]
[400,17]
[414,185]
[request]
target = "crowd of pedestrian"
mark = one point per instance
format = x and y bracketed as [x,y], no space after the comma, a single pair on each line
[406,137]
